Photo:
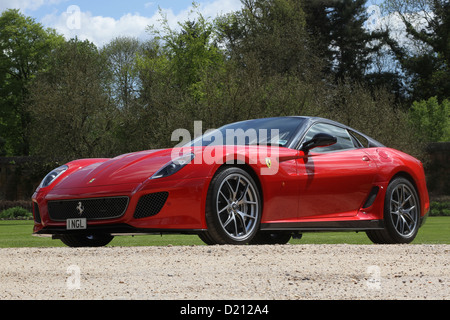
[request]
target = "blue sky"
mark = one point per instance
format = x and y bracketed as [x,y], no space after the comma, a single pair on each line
[100,21]
[113,8]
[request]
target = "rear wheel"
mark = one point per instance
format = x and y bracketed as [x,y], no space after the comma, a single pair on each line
[401,214]
[95,240]
[233,208]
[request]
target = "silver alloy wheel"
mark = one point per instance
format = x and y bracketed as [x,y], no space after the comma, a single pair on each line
[404,210]
[237,206]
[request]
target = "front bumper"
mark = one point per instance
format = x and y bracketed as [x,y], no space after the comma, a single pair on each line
[180,209]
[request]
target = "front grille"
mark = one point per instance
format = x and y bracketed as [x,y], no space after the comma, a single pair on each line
[150,204]
[91,209]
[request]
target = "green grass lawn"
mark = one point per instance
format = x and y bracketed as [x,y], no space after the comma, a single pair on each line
[17,233]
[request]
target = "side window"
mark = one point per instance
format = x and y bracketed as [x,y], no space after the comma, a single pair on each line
[344,141]
[362,140]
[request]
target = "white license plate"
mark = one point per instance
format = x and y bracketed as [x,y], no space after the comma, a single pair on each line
[76,224]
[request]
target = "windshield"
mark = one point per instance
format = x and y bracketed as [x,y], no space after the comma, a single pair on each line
[269,131]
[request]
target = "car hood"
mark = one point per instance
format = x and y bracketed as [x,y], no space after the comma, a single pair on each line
[136,168]
[125,169]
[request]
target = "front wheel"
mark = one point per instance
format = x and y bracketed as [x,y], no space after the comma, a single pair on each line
[401,214]
[96,240]
[233,208]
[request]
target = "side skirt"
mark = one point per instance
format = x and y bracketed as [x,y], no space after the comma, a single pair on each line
[114,230]
[315,226]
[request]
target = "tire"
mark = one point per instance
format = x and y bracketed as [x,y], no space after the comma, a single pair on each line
[401,214]
[205,238]
[96,240]
[233,208]
[271,238]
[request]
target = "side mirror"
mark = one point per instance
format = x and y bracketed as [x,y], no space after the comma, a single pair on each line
[319,140]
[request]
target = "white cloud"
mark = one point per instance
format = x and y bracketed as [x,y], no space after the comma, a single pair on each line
[100,30]
[212,9]
[97,29]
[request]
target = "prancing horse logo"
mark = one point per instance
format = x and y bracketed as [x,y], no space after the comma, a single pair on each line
[80,208]
[268,162]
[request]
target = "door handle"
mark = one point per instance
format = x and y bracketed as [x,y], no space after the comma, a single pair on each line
[365,158]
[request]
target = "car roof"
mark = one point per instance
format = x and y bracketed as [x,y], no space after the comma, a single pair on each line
[310,120]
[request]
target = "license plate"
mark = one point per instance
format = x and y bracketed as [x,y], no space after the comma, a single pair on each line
[76,224]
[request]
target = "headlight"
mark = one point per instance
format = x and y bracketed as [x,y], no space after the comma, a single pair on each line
[173,166]
[49,178]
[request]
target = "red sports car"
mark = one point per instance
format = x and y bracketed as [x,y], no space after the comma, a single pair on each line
[252,182]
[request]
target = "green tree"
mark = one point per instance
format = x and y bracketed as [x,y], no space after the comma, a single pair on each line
[25,48]
[149,121]
[270,33]
[191,51]
[342,41]
[72,112]
[431,119]
[374,112]
[352,43]
[121,54]
[174,70]
[425,58]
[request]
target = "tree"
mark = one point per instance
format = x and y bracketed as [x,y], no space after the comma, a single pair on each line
[191,51]
[272,34]
[72,113]
[318,26]
[371,110]
[121,54]
[149,121]
[431,119]
[340,37]
[425,57]
[25,48]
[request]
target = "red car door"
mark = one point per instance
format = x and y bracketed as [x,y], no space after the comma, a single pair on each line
[334,181]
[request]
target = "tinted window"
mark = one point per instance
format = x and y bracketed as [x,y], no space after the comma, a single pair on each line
[362,140]
[344,141]
[269,131]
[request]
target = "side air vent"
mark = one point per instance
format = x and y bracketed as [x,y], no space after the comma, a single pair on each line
[37,214]
[150,204]
[371,198]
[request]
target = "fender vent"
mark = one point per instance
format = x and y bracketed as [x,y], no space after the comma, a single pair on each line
[371,198]
[150,204]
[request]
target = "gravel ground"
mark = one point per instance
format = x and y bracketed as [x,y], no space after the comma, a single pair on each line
[281,272]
